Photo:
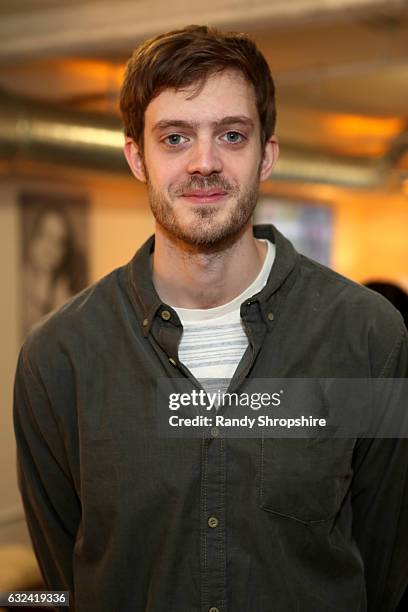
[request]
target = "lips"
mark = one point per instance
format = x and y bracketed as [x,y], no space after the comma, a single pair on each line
[200,193]
[202,196]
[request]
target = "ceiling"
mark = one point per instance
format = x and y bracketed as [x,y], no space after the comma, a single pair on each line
[11,7]
[340,66]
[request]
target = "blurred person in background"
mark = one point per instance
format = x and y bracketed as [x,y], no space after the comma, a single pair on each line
[395,294]
[52,266]
[127,520]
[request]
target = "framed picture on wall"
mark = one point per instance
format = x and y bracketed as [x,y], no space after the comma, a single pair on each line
[309,226]
[54,255]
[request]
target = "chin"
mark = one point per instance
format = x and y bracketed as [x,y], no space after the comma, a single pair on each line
[212,236]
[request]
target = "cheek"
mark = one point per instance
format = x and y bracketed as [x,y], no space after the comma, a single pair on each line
[241,178]
[163,171]
[243,168]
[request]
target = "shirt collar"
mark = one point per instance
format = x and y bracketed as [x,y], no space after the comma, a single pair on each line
[147,302]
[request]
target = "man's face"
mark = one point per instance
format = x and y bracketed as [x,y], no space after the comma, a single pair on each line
[203,160]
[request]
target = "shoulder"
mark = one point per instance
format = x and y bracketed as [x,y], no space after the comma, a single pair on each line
[353,314]
[346,295]
[73,326]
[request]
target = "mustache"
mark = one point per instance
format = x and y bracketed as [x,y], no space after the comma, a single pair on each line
[204,183]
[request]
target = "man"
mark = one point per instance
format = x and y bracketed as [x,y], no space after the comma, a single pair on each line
[127,520]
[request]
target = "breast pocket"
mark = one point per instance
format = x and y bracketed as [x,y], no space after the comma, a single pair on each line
[305,479]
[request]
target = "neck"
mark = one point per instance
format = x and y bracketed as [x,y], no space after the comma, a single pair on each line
[186,276]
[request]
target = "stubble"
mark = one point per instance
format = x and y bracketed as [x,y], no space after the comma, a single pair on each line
[208,229]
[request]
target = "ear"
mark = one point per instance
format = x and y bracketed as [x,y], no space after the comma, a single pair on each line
[270,157]
[135,159]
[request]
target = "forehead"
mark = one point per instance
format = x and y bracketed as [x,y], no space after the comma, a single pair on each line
[223,94]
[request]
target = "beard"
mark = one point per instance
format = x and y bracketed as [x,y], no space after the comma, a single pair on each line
[207,227]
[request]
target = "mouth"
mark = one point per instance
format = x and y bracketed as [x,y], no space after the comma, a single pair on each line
[201,196]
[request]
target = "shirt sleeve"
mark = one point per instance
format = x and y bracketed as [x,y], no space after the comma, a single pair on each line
[51,503]
[380,505]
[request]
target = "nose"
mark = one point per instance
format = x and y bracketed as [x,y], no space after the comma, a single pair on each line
[204,158]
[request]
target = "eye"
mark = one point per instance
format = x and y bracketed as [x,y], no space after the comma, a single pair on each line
[174,139]
[234,137]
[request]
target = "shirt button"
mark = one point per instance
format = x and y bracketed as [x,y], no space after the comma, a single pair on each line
[271,316]
[172,361]
[215,432]
[213,522]
[145,322]
[213,609]
[165,315]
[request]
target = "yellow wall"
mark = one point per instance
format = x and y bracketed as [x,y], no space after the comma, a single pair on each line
[120,221]
[370,229]
[9,320]
[371,237]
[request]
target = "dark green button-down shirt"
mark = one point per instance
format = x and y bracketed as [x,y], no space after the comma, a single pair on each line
[131,522]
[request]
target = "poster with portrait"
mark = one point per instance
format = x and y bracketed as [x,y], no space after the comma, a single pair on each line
[309,226]
[54,258]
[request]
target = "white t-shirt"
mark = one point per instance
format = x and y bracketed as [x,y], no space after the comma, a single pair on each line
[214,339]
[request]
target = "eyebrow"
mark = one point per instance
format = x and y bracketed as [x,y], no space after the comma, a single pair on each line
[164,124]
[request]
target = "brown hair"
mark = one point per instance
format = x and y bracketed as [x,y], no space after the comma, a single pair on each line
[190,55]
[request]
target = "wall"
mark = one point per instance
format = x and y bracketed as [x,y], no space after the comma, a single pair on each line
[9,499]
[371,240]
[370,229]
